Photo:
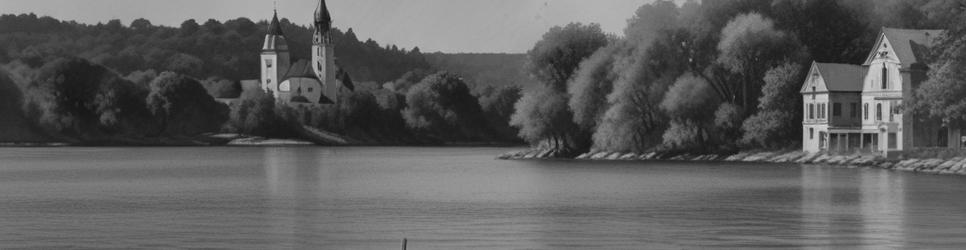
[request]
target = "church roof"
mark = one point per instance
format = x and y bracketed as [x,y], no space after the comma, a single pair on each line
[325,100]
[344,78]
[907,44]
[323,20]
[301,69]
[842,77]
[275,28]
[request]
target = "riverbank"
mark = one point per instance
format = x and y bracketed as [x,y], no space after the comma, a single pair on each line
[951,166]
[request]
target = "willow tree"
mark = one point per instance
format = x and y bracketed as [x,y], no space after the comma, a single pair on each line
[552,62]
[749,46]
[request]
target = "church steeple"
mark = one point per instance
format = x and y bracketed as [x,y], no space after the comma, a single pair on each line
[275,56]
[323,21]
[275,28]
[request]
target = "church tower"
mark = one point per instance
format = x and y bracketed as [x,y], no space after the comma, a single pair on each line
[323,52]
[275,57]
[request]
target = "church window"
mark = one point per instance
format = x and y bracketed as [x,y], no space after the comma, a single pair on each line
[268,63]
[285,87]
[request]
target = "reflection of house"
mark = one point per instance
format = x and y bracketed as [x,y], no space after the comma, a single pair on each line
[315,82]
[859,108]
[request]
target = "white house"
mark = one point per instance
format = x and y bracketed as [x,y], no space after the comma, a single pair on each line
[879,88]
[832,117]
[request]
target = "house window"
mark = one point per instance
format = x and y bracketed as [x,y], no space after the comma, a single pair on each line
[268,63]
[811,133]
[885,76]
[854,110]
[310,90]
[823,111]
[865,111]
[836,109]
[878,112]
[893,144]
[894,106]
[811,111]
[813,92]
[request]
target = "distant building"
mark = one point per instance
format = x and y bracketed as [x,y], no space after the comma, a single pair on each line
[317,82]
[850,108]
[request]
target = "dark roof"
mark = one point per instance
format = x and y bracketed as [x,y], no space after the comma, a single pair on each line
[301,69]
[325,100]
[344,78]
[323,20]
[905,43]
[275,28]
[842,77]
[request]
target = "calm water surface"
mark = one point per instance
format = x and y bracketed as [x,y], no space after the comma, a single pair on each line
[456,198]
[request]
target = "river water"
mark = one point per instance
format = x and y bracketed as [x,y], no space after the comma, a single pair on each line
[456,198]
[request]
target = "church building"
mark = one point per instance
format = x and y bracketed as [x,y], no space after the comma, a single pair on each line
[318,81]
[860,108]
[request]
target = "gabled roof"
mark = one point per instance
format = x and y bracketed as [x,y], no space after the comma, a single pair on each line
[301,69]
[841,77]
[907,44]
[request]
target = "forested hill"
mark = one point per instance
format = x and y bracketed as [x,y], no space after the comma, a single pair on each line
[483,69]
[212,48]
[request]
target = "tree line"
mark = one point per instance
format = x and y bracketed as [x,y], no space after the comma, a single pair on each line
[146,84]
[714,75]
[221,53]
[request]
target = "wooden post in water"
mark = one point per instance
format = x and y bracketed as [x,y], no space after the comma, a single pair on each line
[404,244]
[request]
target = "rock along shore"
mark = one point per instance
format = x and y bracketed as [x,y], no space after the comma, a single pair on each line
[953,166]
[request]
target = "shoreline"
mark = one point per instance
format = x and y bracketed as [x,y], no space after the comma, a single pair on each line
[937,166]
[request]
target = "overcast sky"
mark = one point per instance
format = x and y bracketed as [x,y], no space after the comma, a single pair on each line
[433,25]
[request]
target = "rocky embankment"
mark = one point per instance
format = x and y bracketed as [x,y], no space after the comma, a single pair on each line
[955,165]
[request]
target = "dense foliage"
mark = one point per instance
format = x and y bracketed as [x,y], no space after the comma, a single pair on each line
[552,62]
[719,75]
[183,107]
[441,105]
[80,100]
[140,82]
[227,50]
[943,95]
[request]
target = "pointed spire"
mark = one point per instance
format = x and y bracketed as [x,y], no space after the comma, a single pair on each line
[323,21]
[275,28]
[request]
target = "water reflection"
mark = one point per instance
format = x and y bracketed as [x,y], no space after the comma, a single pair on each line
[838,210]
[293,209]
[883,209]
